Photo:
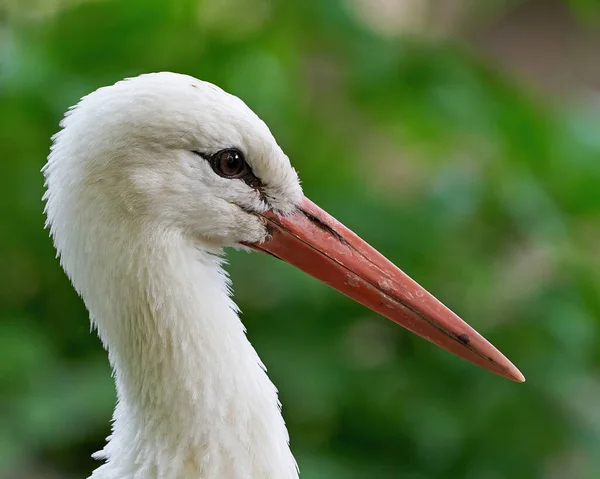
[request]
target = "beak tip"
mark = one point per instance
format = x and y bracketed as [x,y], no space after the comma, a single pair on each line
[517,376]
[511,372]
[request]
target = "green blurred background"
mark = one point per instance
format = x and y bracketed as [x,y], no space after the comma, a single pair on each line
[460,138]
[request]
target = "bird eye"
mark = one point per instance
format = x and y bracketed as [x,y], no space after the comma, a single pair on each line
[229,163]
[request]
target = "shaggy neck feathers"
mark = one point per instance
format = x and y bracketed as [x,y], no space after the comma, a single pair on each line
[194,400]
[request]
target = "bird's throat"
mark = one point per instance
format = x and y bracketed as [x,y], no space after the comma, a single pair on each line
[193,398]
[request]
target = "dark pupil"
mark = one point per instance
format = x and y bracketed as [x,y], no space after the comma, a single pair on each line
[231,163]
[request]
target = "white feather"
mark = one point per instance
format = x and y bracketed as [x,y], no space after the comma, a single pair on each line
[139,221]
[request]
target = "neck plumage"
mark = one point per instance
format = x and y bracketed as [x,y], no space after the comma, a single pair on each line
[194,401]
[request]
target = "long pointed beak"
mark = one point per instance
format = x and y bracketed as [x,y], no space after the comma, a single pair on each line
[319,245]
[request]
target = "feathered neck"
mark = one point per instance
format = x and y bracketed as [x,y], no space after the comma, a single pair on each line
[194,400]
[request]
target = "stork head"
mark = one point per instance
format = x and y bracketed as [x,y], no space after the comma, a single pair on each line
[167,152]
[176,152]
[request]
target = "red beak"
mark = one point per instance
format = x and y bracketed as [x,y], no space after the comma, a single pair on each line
[319,245]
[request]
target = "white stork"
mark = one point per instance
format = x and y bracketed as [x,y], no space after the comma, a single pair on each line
[148,180]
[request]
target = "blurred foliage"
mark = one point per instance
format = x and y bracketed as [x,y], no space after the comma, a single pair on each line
[478,189]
